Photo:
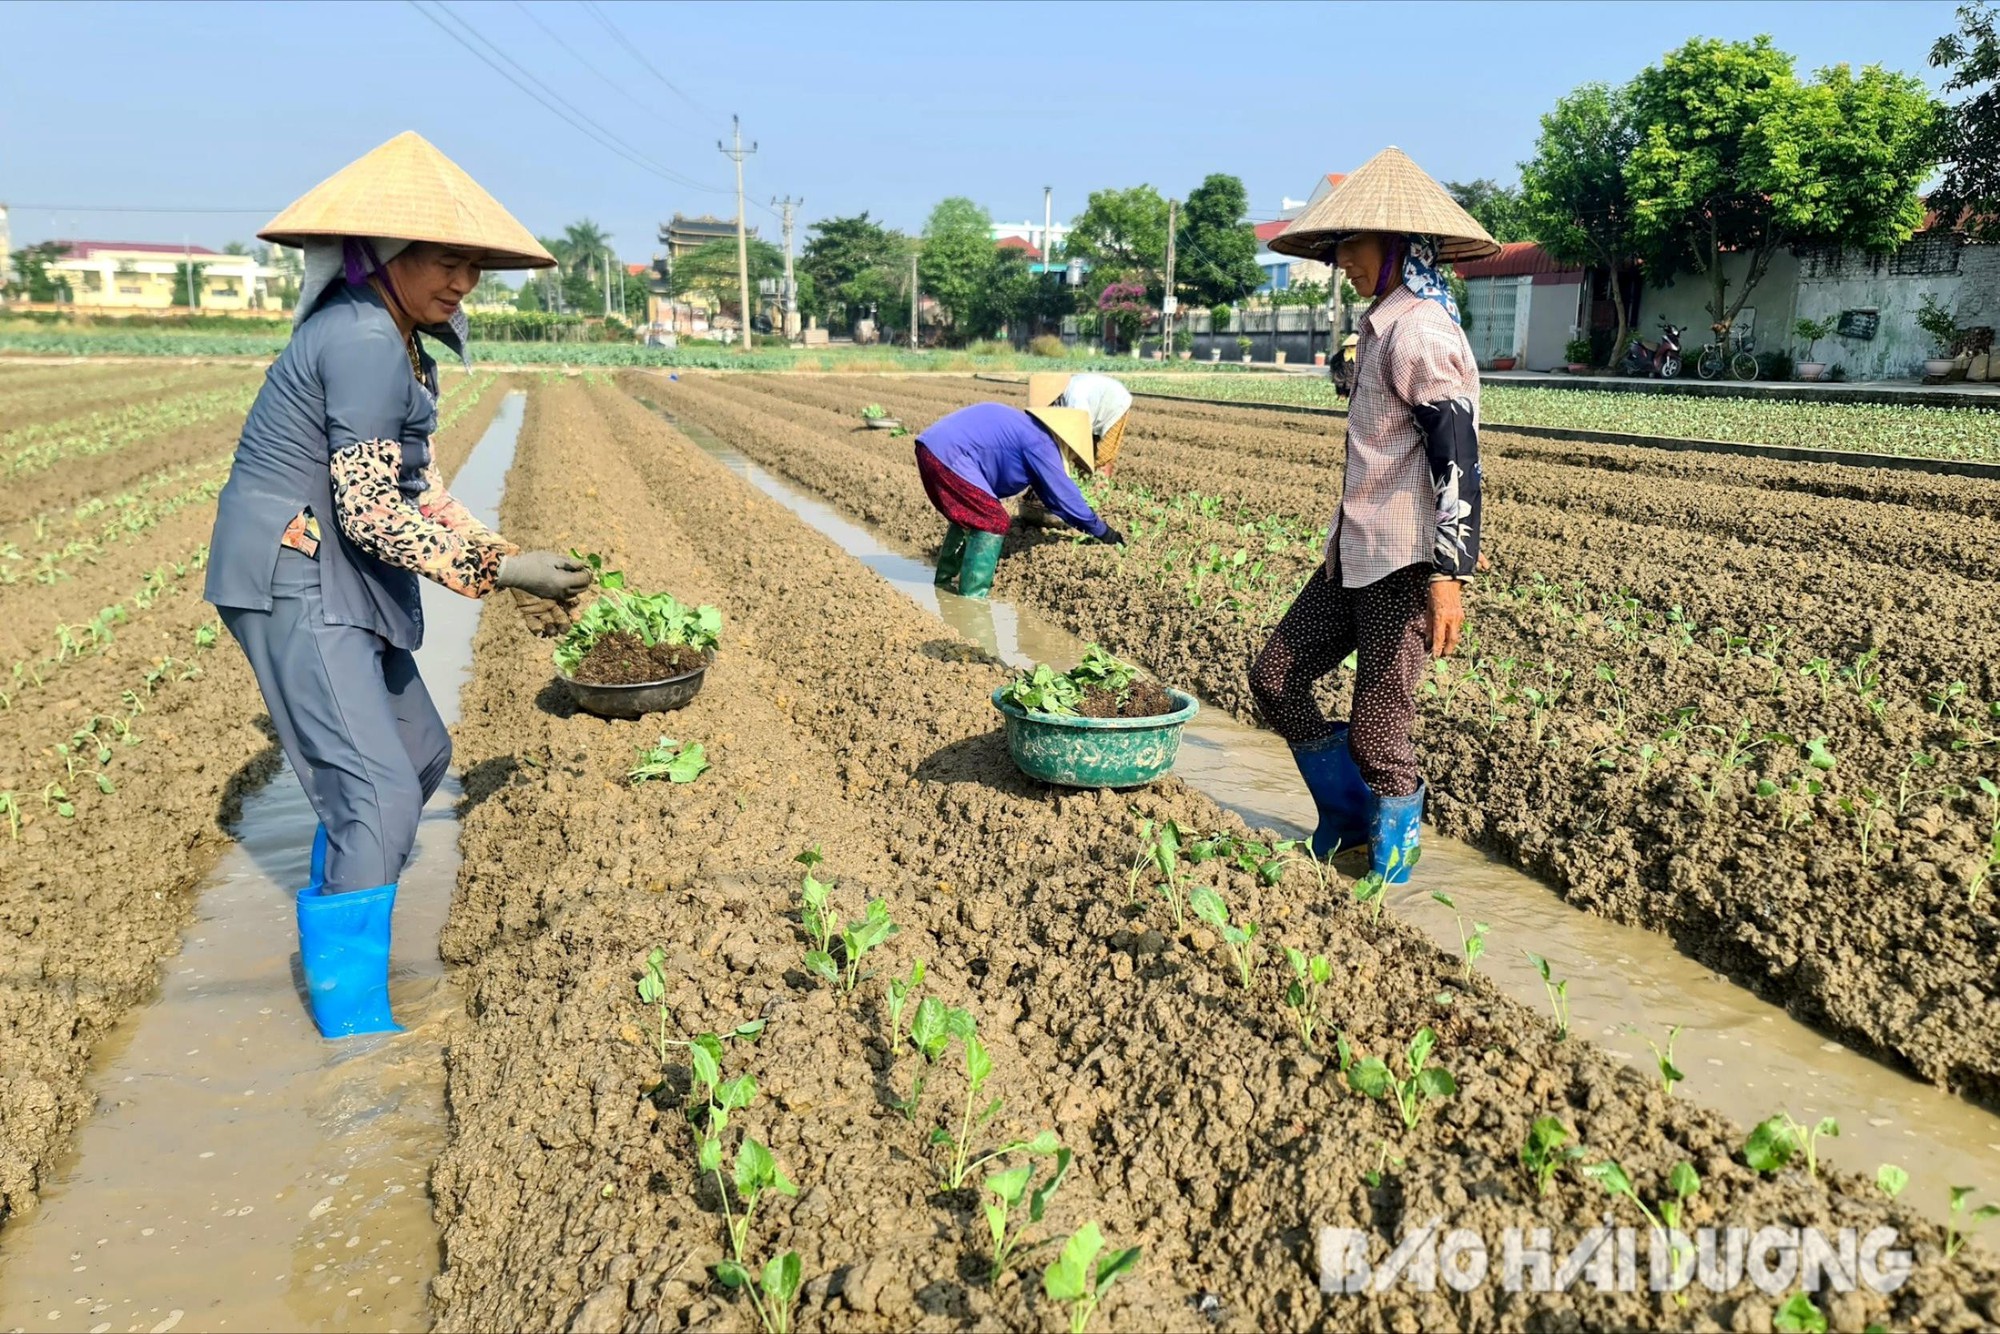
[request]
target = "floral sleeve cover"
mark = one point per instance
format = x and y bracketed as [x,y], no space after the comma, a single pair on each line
[1451,444]
[430,534]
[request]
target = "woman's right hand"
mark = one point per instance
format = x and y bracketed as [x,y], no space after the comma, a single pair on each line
[545,574]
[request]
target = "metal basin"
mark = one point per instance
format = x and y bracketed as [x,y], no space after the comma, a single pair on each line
[635,701]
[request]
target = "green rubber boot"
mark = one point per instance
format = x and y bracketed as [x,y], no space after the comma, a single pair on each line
[982,557]
[950,555]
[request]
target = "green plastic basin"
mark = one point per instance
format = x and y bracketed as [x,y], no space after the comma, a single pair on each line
[1096,752]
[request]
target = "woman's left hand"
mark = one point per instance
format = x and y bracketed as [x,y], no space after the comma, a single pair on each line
[1447,616]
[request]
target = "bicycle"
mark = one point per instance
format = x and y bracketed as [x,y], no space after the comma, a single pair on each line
[1717,356]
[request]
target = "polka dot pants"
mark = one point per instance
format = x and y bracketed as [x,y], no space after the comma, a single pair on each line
[1384,624]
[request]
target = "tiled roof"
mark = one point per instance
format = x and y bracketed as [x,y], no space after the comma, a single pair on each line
[1516,259]
[1267,230]
[1018,243]
[86,249]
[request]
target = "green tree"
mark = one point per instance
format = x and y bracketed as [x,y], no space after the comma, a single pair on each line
[1494,206]
[1122,235]
[849,267]
[34,281]
[710,270]
[1968,138]
[187,282]
[1216,258]
[957,264]
[1575,199]
[1735,155]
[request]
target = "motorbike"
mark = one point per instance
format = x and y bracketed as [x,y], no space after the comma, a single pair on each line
[1662,359]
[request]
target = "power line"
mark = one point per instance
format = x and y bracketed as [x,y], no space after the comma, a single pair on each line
[576,118]
[578,56]
[591,7]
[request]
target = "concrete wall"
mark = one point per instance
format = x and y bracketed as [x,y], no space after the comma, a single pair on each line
[1551,315]
[1817,285]
[1898,350]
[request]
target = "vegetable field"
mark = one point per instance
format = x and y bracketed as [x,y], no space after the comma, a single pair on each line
[130,726]
[802,1008]
[758,1028]
[1925,432]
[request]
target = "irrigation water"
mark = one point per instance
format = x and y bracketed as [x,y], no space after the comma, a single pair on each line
[1741,1055]
[240,1173]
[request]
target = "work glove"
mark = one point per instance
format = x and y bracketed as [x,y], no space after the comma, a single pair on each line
[544,574]
[543,617]
[1112,537]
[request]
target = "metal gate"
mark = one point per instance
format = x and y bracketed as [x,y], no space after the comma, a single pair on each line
[1489,320]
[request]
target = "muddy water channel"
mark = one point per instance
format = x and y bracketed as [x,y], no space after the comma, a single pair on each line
[240,1173]
[1627,987]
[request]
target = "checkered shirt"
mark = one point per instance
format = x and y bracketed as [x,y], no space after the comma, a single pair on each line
[1409,353]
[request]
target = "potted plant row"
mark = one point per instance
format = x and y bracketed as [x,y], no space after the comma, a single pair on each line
[629,654]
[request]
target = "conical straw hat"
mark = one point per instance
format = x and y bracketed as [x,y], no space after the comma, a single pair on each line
[1389,193]
[408,190]
[1045,387]
[1071,428]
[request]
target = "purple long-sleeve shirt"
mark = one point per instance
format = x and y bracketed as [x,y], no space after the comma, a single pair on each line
[1006,451]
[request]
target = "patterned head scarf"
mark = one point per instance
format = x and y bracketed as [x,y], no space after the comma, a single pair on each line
[1421,276]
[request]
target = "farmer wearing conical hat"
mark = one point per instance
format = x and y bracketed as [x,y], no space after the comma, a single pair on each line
[978,456]
[1107,401]
[334,510]
[1405,537]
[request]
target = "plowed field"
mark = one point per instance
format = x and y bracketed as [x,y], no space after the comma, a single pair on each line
[131,726]
[1660,642]
[839,717]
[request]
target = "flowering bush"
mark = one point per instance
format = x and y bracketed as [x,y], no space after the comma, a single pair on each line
[1124,306]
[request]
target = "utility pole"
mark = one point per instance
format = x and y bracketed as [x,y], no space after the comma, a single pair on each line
[913,301]
[1169,305]
[1048,245]
[736,154]
[790,205]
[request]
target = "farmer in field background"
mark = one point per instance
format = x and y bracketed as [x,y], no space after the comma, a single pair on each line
[1107,401]
[334,509]
[1405,536]
[980,455]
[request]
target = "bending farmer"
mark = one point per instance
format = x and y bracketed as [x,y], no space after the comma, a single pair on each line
[1108,402]
[1406,534]
[332,511]
[978,456]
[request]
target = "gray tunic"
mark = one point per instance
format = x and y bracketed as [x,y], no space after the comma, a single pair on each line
[342,380]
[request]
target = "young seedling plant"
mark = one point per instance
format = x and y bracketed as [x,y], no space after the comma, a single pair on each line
[1558,994]
[823,924]
[774,1291]
[1777,1140]
[1070,1281]
[1302,996]
[1683,1181]
[1010,1188]
[1954,1233]
[1472,944]
[1545,1150]
[1372,1077]
[668,759]
[1241,937]
[1160,847]
[962,1161]
[1670,1074]
[932,1028]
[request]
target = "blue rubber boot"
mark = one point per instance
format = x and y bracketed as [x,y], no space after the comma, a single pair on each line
[982,558]
[950,556]
[1344,801]
[317,880]
[1393,835]
[344,946]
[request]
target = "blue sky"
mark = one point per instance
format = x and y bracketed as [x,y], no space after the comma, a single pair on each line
[884,107]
